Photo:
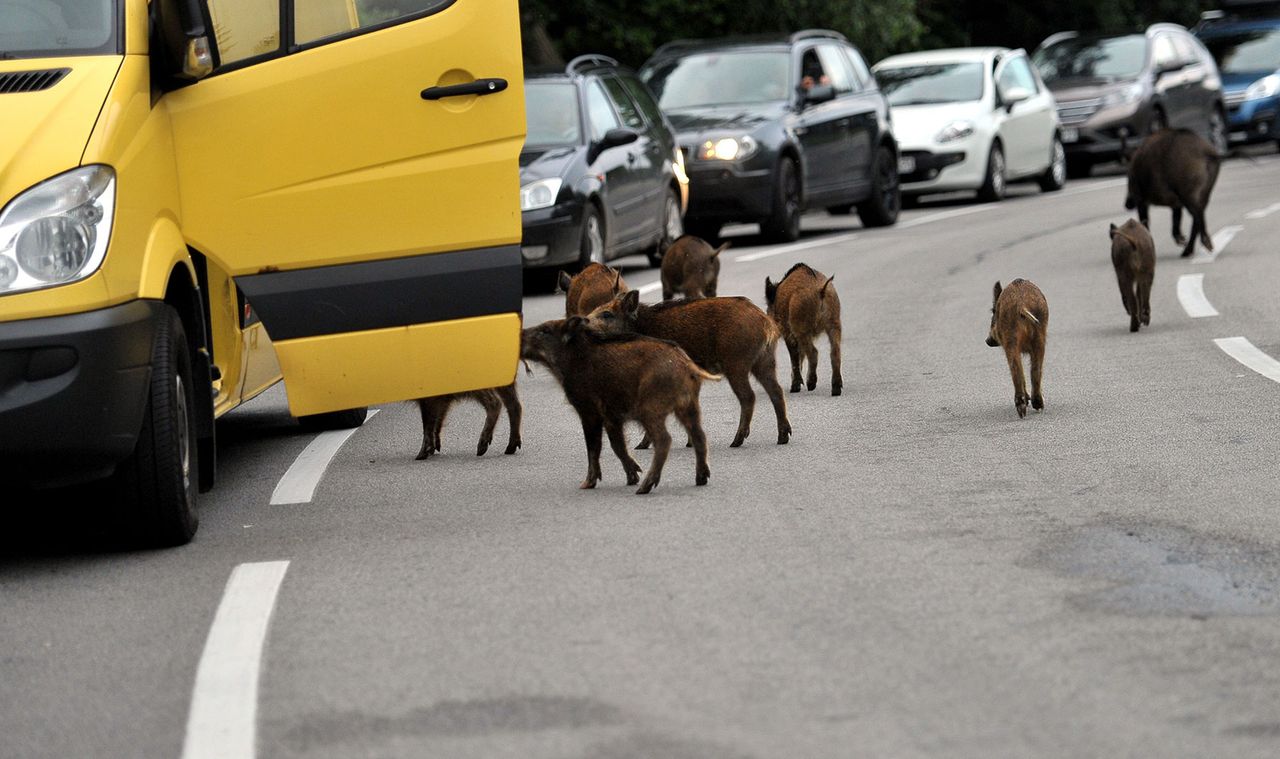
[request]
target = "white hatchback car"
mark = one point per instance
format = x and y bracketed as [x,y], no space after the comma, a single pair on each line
[971,119]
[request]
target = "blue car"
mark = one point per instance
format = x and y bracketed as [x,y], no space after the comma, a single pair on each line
[1247,50]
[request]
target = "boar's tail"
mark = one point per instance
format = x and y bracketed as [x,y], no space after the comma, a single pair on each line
[823,292]
[705,375]
[1030,316]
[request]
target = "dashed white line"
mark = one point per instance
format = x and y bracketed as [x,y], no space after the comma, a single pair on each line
[298,485]
[1191,296]
[1246,353]
[1221,240]
[1262,213]
[223,720]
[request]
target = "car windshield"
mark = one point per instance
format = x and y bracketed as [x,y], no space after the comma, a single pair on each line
[551,112]
[1083,58]
[52,28]
[711,79]
[1245,52]
[931,83]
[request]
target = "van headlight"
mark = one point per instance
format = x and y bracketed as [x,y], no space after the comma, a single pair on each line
[57,232]
[1267,86]
[540,194]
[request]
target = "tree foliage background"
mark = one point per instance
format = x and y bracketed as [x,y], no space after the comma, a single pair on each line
[556,30]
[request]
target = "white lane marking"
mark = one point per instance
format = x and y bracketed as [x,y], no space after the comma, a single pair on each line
[944,215]
[1221,240]
[1191,296]
[1246,353]
[223,722]
[1262,213]
[298,485]
[649,288]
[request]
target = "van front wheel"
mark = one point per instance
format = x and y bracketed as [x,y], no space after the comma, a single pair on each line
[155,486]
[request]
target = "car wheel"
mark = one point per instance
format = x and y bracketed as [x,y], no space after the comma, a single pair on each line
[881,209]
[1055,176]
[156,486]
[1218,132]
[347,419]
[784,223]
[993,188]
[591,243]
[672,227]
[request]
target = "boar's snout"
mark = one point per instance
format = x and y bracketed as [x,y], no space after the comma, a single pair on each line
[991,341]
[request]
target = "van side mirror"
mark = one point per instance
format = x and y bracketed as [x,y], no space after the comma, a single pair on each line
[183,48]
[819,93]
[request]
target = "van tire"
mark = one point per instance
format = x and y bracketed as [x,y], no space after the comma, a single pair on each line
[156,486]
[347,419]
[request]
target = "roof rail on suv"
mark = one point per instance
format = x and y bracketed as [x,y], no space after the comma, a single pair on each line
[806,34]
[590,60]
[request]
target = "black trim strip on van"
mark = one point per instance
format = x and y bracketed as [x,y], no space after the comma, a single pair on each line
[393,293]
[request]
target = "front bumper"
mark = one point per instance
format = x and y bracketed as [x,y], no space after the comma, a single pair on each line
[552,236]
[941,170]
[1253,120]
[722,191]
[72,392]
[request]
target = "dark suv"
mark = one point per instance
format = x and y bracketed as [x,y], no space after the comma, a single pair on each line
[600,173]
[771,126]
[1113,89]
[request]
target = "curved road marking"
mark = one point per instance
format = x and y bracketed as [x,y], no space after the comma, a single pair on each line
[1246,353]
[1191,296]
[224,702]
[298,485]
[1221,240]
[1261,213]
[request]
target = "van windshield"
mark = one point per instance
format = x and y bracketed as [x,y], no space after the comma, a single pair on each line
[1105,58]
[54,28]
[712,79]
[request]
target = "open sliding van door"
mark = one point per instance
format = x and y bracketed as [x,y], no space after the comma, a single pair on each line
[358,178]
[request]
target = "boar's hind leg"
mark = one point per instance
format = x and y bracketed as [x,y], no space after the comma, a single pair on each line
[592,431]
[492,407]
[1177,226]
[657,431]
[430,424]
[765,370]
[690,416]
[1037,367]
[837,379]
[811,356]
[618,442]
[793,350]
[511,399]
[1019,378]
[740,384]
[1144,296]
[1197,231]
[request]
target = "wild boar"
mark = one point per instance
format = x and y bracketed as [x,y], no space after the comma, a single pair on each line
[1020,324]
[1175,168]
[691,267]
[610,380]
[1133,254]
[731,336]
[804,304]
[595,284]
[435,408]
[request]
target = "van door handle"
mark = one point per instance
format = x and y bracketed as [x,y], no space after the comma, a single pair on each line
[478,87]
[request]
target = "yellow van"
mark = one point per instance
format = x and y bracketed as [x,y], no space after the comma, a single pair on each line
[180,179]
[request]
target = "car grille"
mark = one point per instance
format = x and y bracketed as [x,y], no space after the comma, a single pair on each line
[1072,112]
[1233,99]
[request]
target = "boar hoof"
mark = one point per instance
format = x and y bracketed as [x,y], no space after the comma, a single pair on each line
[812,383]
[795,387]
[480,449]
[703,476]
[1022,409]
[836,389]
[512,447]
[425,453]
[587,485]
[646,486]
[737,441]
[1180,239]
[1037,403]
[644,444]
[1133,324]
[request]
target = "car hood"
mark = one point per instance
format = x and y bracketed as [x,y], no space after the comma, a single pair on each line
[543,163]
[1066,90]
[45,132]
[1240,80]
[693,123]
[915,126]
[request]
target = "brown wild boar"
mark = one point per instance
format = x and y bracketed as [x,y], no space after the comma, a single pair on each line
[691,267]
[1175,168]
[610,380]
[1019,324]
[435,408]
[595,284]
[1133,254]
[731,336]
[804,304]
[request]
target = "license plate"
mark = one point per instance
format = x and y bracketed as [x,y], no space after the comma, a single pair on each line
[906,164]
[1070,135]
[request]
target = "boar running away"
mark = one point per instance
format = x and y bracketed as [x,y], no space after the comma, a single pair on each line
[1175,168]
[1133,254]
[610,380]
[691,267]
[1020,324]
[804,304]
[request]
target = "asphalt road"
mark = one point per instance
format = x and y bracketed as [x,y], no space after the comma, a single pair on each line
[918,573]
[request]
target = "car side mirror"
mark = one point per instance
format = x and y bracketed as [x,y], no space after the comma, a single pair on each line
[1013,96]
[1169,67]
[612,139]
[819,93]
[183,47]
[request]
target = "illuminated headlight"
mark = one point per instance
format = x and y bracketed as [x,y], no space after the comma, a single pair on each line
[728,149]
[540,194]
[1267,86]
[1125,96]
[956,130]
[57,232]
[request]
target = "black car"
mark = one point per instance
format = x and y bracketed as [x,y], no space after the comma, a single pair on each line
[600,173]
[1113,89]
[772,126]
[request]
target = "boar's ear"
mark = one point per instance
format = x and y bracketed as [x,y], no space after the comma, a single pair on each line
[631,301]
[770,290]
[1114,229]
[996,291]
[572,326]
[563,281]
[719,250]
[617,280]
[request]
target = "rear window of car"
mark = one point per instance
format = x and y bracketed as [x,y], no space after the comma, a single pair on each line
[551,113]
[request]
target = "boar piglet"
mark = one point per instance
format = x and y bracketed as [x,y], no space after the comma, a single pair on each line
[691,267]
[804,304]
[1175,168]
[1133,254]
[730,336]
[613,379]
[595,284]
[435,408]
[1020,324]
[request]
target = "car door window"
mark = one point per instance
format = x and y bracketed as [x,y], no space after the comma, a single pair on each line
[811,71]
[316,19]
[600,113]
[640,94]
[836,68]
[245,28]
[621,101]
[1163,52]
[1017,73]
[861,73]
